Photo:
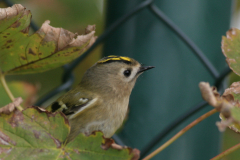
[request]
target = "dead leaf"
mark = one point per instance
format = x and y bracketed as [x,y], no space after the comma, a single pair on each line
[228,104]
[11,11]
[11,106]
[136,154]
[46,49]
[109,143]
[207,93]
[232,94]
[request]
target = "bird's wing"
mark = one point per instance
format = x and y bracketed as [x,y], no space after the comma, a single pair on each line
[72,103]
[77,109]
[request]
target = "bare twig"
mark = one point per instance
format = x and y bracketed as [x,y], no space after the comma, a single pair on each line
[9,93]
[176,136]
[227,152]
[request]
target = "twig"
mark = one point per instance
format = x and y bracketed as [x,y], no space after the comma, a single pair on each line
[176,136]
[9,93]
[227,152]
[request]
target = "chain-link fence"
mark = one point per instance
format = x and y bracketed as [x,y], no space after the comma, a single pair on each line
[67,78]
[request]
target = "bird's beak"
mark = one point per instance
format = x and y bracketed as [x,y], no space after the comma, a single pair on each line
[144,68]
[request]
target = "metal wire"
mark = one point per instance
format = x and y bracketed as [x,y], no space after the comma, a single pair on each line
[185,116]
[63,87]
[171,127]
[32,24]
[67,79]
[99,40]
[185,39]
[221,77]
[109,31]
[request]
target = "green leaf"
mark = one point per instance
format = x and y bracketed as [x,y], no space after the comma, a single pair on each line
[235,111]
[46,49]
[86,150]
[37,134]
[231,49]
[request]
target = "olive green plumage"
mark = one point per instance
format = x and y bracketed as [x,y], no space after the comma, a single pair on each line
[100,100]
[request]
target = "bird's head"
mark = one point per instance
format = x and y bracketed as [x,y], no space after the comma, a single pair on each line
[115,73]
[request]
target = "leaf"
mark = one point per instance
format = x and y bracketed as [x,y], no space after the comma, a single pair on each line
[100,151]
[228,104]
[231,49]
[46,49]
[37,134]
[207,93]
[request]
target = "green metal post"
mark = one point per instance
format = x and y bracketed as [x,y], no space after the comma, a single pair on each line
[166,92]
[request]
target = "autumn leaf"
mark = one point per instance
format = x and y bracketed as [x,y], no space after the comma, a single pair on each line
[34,133]
[228,104]
[38,134]
[231,49]
[46,49]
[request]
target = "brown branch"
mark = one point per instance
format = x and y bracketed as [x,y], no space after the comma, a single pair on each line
[176,136]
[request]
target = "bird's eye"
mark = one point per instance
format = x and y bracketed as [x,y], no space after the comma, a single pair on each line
[127,73]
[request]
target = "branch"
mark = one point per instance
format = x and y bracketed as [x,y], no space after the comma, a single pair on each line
[9,93]
[227,152]
[176,136]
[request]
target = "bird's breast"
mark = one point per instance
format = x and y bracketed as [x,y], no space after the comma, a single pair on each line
[117,112]
[106,116]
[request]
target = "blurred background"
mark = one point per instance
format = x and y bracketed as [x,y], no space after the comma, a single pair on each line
[163,95]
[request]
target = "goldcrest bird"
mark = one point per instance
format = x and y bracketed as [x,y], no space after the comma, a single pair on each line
[100,101]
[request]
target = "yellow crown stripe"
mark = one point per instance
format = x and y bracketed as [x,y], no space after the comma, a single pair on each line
[109,59]
[112,56]
[126,59]
[103,61]
[115,58]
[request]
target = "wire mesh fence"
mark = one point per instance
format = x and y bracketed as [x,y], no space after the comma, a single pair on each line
[68,78]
